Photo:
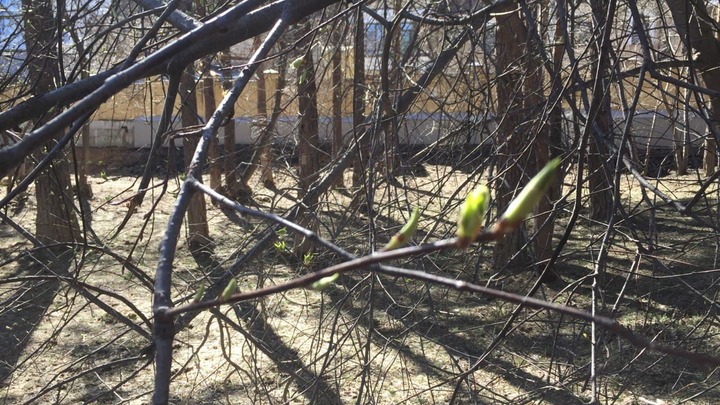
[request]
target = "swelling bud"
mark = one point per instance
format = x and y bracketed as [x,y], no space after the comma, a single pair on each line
[324,282]
[472,214]
[401,238]
[525,202]
[229,290]
[199,294]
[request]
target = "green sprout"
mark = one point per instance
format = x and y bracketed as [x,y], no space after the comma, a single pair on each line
[324,282]
[308,258]
[472,214]
[280,243]
[401,238]
[280,246]
[229,290]
[525,202]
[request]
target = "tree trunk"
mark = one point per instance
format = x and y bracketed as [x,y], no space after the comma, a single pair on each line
[234,186]
[214,153]
[510,48]
[269,127]
[56,220]
[599,182]
[337,134]
[265,144]
[361,161]
[680,145]
[209,103]
[231,177]
[697,32]
[197,226]
[84,188]
[308,140]
[390,77]
[547,143]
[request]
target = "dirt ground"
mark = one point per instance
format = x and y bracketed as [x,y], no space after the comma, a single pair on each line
[76,328]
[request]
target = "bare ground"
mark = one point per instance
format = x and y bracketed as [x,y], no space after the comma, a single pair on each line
[398,341]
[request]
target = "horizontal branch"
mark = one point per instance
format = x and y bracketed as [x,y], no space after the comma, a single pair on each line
[365,262]
[370,263]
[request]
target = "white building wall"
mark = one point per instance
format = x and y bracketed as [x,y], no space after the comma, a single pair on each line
[415,129]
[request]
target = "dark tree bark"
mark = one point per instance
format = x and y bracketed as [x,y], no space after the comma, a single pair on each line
[308,139]
[266,129]
[214,157]
[337,101]
[511,40]
[308,142]
[236,187]
[361,161]
[83,187]
[542,148]
[545,235]
[231,177]
[266,174]
[599,182]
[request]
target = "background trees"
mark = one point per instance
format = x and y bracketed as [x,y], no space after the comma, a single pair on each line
[442,96]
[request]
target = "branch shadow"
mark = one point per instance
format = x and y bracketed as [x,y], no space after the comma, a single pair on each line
[30,302]
[285,358]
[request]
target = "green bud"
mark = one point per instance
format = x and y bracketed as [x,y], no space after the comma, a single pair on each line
[229,290]
[401,238]
[525,202]
[472,214]
[199,293]
[324,282]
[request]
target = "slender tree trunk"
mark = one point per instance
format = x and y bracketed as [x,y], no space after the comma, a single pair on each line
[337,134]
[56,220]
[269,127]
[361,161]
[680,148]
[198,232]
[308,139]
[308,145]
[546,143]
[390,128]
[209,103]
[684,137]
[544,223]
[84,188]
[233,184]
[231,177]
[214,156]
[599,182]
[266,158]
